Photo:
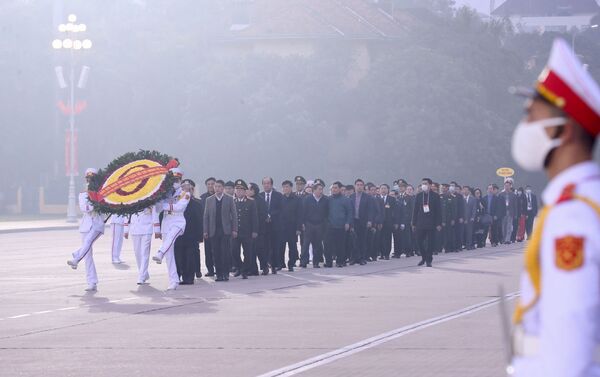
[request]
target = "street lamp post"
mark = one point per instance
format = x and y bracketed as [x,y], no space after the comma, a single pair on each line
[71,43]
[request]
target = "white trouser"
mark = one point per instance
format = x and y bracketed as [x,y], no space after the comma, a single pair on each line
[166,251]
[117,241]
[141,247]
[86,252]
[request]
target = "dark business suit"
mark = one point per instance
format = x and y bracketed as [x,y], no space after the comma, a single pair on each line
[389,221]
[490,204]
[291,220]
[220,221]
[273,238]
[187,246]
[531,211]
[449,210]
[470,211]
[373,237]
[314,221]
[364,213]
[426,222]
[459,226]
[247,218]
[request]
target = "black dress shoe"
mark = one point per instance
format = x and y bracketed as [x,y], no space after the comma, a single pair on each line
[226,277]
[210,274]
[219,278]
[265,272]
[237,273]
[421,263]
[186,283]
[302,266]
[362,262]
[352,263]
[274,271]
[291,268]
[328,265]
[316,265]
[386,258]
[429,265]
[244,276]
[198,275]
[278,268]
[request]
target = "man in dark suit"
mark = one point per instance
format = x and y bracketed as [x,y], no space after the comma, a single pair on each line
[364,215]
[531,210]
[427,219]
[258,246]
[290,217]
[374,235]
[247,219]
[404,217]
[338,225]
[459,225]
[489,218]
[187,246]
[273,239]
[208,257]
[314,222]
[388,205]
[470,212]
[220,226]
[448,208]
[509,201]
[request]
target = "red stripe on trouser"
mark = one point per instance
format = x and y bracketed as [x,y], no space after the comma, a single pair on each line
[174,238]
[89,248]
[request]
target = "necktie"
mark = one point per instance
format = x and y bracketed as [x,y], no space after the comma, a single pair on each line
[269,200]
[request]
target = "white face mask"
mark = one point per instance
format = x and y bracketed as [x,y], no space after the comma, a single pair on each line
[531,144]
[425,188]
[452,188]
[176,185]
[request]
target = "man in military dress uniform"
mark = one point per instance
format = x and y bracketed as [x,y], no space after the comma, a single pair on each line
[247,219]
[300,185]
[557,318]
[141,226]
[90,228]
[173,226]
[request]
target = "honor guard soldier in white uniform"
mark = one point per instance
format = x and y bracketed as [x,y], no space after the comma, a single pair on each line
[173,226]
[557,319]
[141,226]
[118,228]
[91,228]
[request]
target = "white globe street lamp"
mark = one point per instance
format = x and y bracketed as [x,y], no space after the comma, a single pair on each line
[70,42]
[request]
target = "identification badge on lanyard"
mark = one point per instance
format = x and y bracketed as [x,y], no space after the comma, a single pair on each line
[426,208]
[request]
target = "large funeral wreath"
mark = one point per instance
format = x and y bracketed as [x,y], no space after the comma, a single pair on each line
[132,182]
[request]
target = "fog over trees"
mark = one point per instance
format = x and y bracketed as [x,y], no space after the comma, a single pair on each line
[422,94]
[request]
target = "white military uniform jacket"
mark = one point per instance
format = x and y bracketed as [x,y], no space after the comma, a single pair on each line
[118,220]
[143,223]
[173,209]
[90,220]
[562,328]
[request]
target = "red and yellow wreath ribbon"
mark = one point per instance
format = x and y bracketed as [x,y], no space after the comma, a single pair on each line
[133,182]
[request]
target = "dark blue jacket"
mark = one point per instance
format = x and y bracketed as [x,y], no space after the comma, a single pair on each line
[340,211]
[366,208]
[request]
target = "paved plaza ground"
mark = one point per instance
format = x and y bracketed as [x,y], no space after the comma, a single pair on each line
[389,318]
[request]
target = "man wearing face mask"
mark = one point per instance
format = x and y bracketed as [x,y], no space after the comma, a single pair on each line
[558,315]
[427,219]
